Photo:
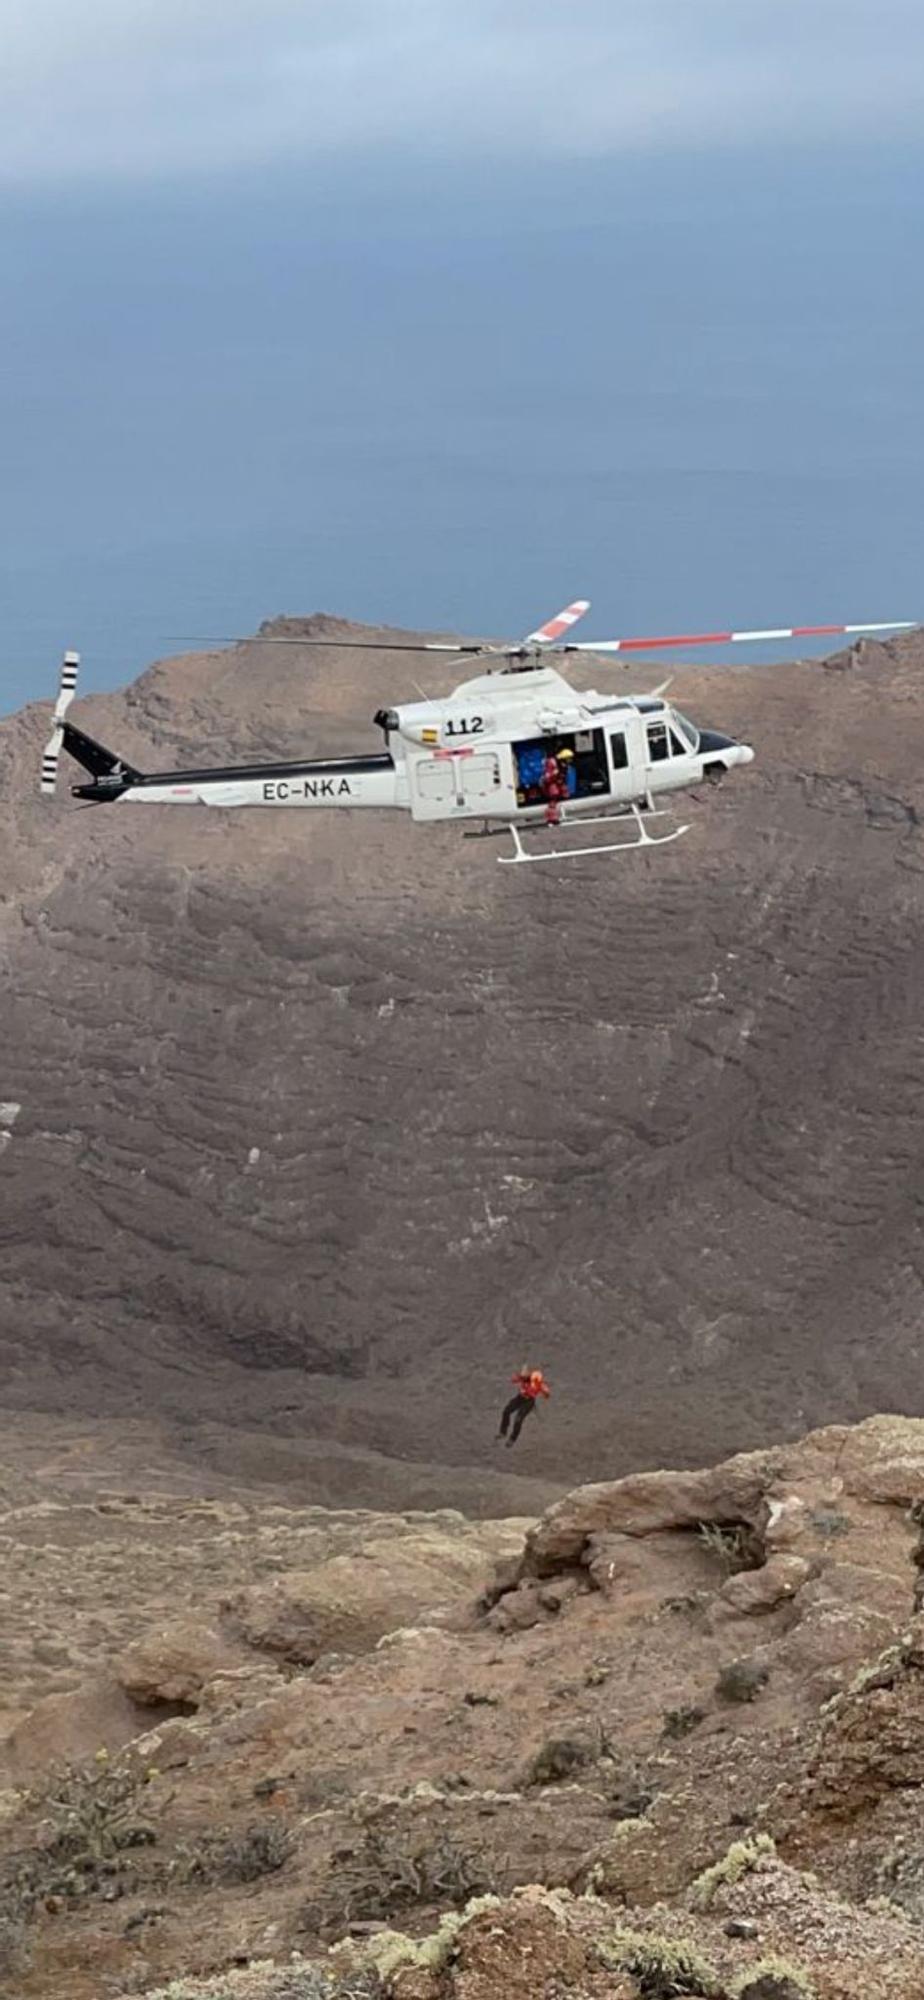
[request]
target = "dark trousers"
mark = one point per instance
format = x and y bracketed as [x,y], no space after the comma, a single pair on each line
[518,1409]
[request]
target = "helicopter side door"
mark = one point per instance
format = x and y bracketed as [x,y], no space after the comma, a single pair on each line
[625,751]
[474,783]
[433,786]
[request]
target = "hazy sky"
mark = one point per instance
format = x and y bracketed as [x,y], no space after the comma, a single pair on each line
[170,87]
[442,311]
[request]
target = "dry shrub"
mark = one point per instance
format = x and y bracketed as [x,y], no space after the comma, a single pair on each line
[14,1944]
[399,1866]
[679,1722]
[231,1858]
[742,1680]
[559,1757]
[90,1824]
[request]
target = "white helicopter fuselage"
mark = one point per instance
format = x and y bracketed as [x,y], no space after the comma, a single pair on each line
[477,755]
[515,746]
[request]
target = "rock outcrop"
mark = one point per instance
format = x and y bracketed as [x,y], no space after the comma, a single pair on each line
[173,1663]
[346,1604]
[684,1719]
[154,1597]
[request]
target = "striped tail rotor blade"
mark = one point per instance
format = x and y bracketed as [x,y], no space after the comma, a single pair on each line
[67,688]
[737,638]
[556,627]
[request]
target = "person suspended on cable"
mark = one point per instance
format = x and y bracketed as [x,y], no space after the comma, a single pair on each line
[530,1383]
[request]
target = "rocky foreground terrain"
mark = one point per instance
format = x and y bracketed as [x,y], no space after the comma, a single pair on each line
[665,1740]
[312,1128]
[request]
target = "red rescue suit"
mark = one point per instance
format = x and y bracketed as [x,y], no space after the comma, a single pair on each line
[554,788]
[530,1383]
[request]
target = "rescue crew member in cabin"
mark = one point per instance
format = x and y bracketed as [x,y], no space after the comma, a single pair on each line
[530,1383]
[554,784]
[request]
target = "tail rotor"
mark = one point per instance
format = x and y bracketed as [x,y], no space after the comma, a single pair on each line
[67,688]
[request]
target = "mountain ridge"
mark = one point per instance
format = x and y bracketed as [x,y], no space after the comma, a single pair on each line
[619,1121]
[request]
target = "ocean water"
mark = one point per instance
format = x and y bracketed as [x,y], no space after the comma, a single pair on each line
[687,388]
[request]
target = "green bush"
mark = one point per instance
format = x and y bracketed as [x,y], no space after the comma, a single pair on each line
[663,1968]
[731,1545]
[742,1857]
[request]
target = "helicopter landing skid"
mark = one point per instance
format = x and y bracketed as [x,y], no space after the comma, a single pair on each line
[641,838]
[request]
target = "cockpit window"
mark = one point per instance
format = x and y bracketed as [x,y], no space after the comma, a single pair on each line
[687,731]
[664,741]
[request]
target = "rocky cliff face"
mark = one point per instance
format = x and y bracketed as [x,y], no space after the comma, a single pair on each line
[668,1743]
[321,1123]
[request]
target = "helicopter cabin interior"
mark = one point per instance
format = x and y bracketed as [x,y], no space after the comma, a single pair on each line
[587,770]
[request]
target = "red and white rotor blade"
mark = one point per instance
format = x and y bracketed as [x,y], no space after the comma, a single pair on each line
[735,638]
[556,627]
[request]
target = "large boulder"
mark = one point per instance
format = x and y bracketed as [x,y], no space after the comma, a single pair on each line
[172,1663]
[755,1591]
[872,1738]
[882,1459]
[647,1502]
[352,1601]
[800,1498]
[68,1729]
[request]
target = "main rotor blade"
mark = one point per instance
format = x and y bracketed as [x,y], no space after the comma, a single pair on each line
[545,635]
[362,645]
[732,638]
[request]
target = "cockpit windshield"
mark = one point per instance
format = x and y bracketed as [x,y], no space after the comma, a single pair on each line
[687,731]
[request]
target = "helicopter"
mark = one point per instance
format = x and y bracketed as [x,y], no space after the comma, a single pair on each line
[516,748]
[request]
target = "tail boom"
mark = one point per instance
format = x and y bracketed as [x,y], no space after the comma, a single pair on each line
[335,781]
[339,781]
